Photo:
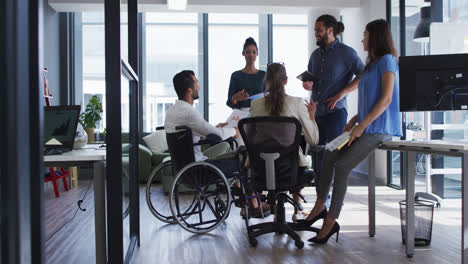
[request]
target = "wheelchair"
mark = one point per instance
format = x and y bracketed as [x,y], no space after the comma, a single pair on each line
[201,193]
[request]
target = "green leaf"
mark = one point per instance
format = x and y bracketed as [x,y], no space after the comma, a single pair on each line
[92,114]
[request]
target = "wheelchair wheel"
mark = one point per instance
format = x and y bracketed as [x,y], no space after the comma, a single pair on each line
[157,200]
[200,197]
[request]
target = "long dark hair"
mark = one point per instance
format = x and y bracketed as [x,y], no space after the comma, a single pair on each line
[274,84]
[330,21]
[380,41]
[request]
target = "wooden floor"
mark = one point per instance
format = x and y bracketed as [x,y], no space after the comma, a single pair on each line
[162,243]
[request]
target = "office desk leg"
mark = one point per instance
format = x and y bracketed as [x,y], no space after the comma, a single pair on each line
[410,175]
[371,180]
[464,242]
[100,212]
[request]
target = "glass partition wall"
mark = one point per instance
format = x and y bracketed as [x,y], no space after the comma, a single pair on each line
[441,174]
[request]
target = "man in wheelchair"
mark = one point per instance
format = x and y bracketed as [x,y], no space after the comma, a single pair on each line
[182,113]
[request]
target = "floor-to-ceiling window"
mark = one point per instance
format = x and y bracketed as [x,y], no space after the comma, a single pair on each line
[395,171]
[171,46]
[290,45]
[227,34]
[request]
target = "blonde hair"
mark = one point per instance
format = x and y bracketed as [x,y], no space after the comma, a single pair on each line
[274,83]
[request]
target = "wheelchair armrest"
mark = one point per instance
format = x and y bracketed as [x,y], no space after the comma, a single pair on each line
[241,153]
[210,139]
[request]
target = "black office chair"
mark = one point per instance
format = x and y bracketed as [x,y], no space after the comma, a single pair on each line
[273,144]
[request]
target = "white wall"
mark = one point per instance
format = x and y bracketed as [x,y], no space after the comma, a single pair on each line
[352,37]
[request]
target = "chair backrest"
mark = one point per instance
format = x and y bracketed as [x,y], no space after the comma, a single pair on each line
[180,145]
[272,134]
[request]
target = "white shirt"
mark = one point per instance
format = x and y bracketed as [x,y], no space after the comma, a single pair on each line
[294,107]
[184,114]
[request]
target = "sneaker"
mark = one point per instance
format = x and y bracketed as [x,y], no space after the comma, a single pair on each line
[299,215]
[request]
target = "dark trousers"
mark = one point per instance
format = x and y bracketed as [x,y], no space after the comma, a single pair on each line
[330,126]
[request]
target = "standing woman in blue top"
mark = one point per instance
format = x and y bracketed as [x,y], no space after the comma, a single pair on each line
[378,119]
[248,81]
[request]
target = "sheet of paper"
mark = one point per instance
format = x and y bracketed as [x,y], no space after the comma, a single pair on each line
[235,116]
[338,142]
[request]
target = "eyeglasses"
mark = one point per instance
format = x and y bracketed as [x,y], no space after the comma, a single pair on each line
[279,62]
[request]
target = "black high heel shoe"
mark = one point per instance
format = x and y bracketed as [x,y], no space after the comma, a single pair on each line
[335,229]
[310,222]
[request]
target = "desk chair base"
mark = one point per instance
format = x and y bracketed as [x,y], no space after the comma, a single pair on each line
[279,226]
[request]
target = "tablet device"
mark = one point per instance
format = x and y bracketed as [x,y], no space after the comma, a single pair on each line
[307,76]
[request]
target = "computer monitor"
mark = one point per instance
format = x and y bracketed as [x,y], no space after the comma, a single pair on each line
[434,83]
[60,124]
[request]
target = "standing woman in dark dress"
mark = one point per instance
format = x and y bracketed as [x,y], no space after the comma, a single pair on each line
[248,81]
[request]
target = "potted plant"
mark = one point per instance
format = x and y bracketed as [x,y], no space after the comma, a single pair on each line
[91,116]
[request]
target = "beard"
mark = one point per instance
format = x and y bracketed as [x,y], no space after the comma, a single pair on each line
[322,41]
[195,96]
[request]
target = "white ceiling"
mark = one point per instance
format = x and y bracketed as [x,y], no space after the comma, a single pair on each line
[212,6]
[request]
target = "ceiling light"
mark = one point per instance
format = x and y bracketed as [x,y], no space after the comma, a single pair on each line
[177,4]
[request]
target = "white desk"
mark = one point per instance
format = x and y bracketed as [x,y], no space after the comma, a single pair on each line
[90,155]
[438,147]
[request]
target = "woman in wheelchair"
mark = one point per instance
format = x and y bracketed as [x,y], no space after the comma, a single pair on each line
[278,103]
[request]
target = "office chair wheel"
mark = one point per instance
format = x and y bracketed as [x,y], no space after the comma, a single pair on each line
[299,244]
[253,242]
[158,202]
[200,197]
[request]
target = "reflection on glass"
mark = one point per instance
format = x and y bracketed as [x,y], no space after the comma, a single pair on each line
[227,34]
[125,129]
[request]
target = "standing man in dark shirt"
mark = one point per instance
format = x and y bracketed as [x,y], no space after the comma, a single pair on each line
[335,64]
